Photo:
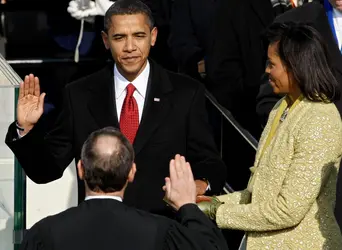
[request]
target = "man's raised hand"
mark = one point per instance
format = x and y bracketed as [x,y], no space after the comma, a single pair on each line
[180,187]
[30,103]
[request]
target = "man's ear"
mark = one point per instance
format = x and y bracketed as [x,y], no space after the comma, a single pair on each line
[154,33]
[105,39]
[131,173]
[80,170]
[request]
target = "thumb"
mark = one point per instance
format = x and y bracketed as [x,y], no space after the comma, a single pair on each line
[41,102]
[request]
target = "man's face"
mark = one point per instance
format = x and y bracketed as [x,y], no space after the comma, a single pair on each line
[129,39]
[337,4]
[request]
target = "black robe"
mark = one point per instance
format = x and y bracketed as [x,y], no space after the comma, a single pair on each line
[103,224]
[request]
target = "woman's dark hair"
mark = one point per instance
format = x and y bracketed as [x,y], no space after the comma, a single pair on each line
[304,53]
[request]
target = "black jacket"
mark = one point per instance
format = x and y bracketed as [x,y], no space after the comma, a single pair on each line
[103,224]
[177,124]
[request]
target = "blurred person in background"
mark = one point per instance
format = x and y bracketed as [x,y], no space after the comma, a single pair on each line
[190,35]
[237,57]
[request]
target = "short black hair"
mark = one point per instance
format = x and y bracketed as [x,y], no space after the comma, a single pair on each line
[103,171]
[304,53]
[127,7]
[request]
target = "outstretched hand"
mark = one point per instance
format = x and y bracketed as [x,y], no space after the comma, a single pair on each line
[180,187]
[30,103]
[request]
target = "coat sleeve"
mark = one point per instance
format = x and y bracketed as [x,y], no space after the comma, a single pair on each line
[193,232]
[317,150]
[37,237]
[201,149]
[44,156]
[32,241]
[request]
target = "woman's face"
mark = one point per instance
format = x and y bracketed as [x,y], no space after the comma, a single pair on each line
[279,78]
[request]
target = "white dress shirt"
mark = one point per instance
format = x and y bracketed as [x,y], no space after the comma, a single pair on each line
[337,16]
[118,198]
[140,84]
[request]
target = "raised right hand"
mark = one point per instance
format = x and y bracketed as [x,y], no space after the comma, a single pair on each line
[180,187]
[30,103]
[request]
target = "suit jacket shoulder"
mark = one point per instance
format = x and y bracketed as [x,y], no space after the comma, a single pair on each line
[102,224]
[308,13]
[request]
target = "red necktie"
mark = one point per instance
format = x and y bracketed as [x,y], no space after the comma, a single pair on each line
[129,118]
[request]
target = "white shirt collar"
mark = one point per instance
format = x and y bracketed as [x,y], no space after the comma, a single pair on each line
[337,16]
[140,83]
[91,197]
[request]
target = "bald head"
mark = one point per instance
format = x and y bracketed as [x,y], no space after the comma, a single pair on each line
[106,145]
[107,157]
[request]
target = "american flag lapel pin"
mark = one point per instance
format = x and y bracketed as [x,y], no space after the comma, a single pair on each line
[156,99]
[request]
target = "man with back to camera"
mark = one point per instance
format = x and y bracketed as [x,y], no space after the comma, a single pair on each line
[161,113]
[103,222]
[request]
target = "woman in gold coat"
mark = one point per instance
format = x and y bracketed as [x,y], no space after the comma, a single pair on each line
[289,201]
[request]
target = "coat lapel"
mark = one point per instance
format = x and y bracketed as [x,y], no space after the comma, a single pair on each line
[102,102]
[157,105]
[263,137]
[330,35]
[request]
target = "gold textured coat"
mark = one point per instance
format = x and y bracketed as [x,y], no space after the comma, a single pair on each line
[290,197]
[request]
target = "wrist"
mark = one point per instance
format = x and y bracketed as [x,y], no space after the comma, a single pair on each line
[181,204]
[19,127]
[23,129]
